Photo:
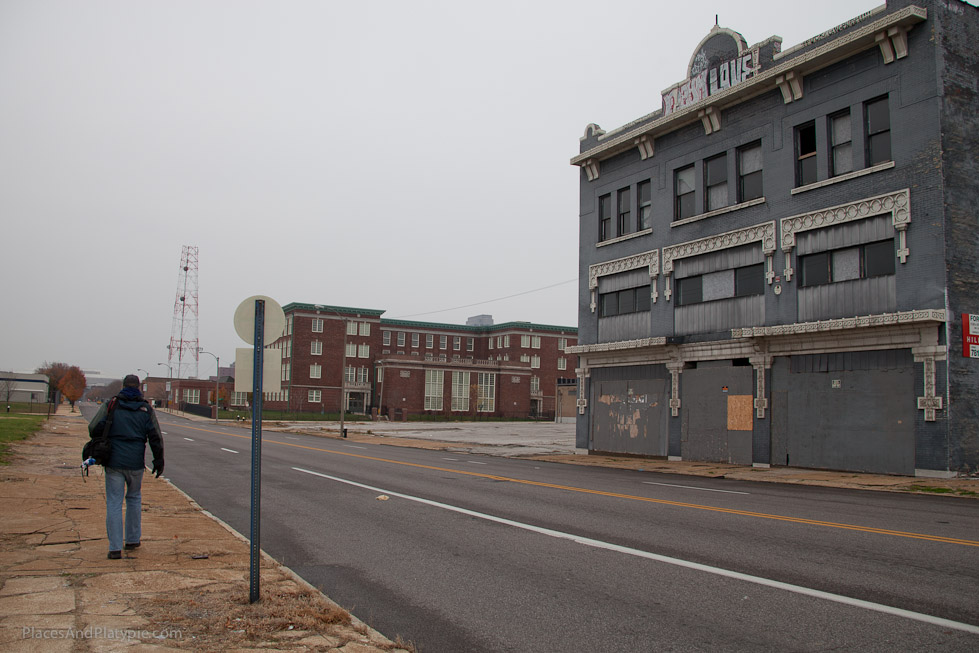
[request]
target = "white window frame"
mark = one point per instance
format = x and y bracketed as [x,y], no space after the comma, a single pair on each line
[386,338]
[351,328]
[562,363]
[315,371]
[443,342]
[535,362]
[363,351]
[434,384]
[351,350]
[429,341]
[316,348]
[192,395]
[416,340]
[364,328]
[401,338]
[525,341]
[317,325]
[470,344]
[535,342]
[460,391]
[314,396]
[486,394]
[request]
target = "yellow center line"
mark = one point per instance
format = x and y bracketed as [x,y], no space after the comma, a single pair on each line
[616,495]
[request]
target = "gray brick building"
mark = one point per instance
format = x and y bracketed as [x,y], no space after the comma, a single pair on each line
[775,265]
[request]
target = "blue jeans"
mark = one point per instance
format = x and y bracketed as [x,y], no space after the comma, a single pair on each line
[118,482]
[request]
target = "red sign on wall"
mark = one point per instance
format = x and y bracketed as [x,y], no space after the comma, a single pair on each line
[970,335]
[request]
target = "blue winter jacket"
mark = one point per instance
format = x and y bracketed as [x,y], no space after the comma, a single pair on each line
[133,425]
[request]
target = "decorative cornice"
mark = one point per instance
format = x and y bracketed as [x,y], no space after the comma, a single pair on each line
[763,233]
[619,345]
[859,322]
[646,259]
[655,124]
[898,204]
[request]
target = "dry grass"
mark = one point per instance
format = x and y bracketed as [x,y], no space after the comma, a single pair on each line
[216,620]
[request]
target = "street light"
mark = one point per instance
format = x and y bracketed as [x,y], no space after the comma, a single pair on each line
[169,380]
[217,382]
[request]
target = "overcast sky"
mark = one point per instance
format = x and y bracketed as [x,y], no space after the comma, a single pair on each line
[409,156]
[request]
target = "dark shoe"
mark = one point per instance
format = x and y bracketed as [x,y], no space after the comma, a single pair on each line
[130,547]
[115,555]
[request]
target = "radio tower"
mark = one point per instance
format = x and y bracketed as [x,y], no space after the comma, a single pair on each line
[183,349]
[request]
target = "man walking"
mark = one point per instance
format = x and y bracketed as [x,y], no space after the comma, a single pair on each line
[131,423]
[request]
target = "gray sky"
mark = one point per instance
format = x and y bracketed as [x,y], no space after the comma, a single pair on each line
[410,156]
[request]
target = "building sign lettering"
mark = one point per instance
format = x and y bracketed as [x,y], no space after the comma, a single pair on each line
[721,61]
[970,335]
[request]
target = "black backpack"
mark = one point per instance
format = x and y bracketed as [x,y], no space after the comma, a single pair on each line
[98,446]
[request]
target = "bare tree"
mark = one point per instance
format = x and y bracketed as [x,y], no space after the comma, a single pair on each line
[6,385]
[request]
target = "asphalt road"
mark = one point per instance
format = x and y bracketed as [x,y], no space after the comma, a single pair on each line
[475,553]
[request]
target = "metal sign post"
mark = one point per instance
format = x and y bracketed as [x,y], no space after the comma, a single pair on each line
[257,319]
[256,547]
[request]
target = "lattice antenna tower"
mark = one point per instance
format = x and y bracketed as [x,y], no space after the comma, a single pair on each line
[183,349]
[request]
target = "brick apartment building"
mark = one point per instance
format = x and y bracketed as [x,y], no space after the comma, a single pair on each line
[776,262]
[399,368]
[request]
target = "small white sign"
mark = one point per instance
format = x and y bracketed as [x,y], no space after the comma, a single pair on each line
[271,370]
[973,351]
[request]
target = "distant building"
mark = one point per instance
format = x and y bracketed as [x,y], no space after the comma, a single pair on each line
[779,264]
[20,387]
[400,368]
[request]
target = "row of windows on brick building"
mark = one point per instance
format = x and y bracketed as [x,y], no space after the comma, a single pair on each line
[635,215]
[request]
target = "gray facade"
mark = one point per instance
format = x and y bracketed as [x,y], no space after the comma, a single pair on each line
[775,264]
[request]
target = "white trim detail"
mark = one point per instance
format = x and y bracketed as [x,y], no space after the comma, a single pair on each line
[711,214]
[845,177]
[763,233]
[898,204]
[845,323]
[711,119]
[617,345]
[648,259]
[791,86]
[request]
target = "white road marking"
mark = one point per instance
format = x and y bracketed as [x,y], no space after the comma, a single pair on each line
[452,459]
[228,450]
[189,439]
[691,487]
[353,446]
[291,437]
[718,571]
[473,462]
[163,432]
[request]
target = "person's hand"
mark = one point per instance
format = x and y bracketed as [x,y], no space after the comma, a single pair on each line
[157,468]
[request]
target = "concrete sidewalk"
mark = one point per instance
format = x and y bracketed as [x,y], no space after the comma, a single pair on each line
[185,588]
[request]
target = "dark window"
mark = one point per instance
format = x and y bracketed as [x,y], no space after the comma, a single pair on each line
[610,304]
[604,217]
[815,269]
[683,184]
[805,148]
[878,131]
[644,191]
[861,262]
[625,215]
[715,182]
[622,302]
[642,299]
[749,172]
[878,258]
[841,151]
[689,291]
[749,280]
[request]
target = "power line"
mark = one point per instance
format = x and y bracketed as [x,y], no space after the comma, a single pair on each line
[488,301]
